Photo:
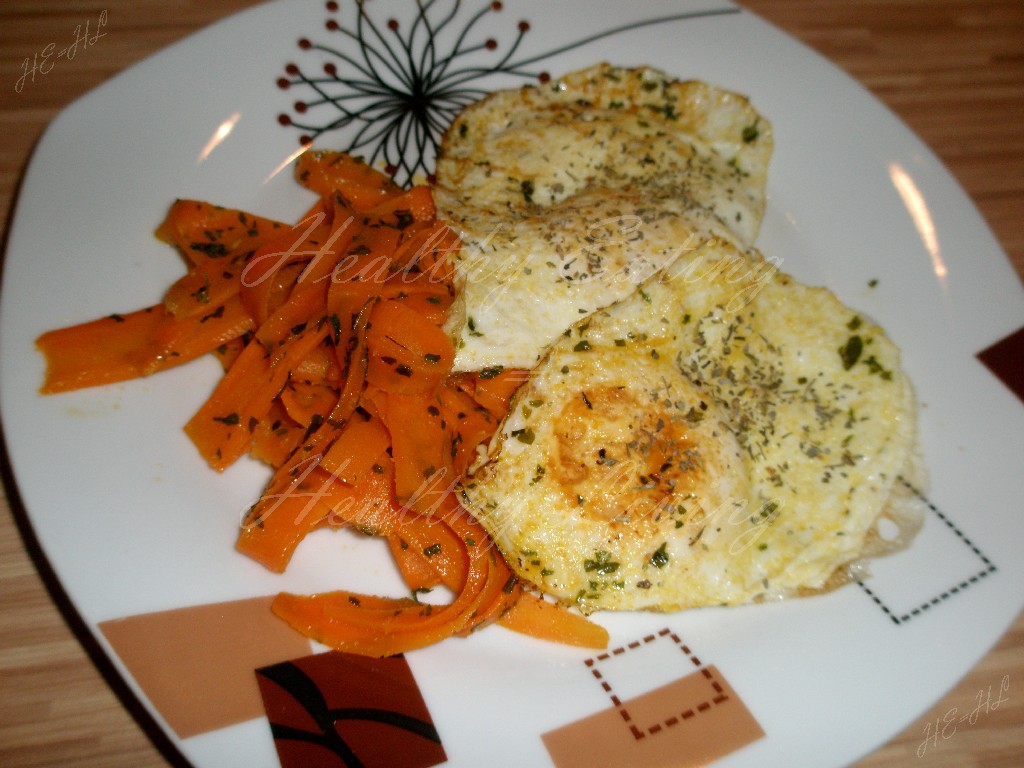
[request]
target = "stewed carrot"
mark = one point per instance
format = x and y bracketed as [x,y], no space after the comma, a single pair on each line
[337,373]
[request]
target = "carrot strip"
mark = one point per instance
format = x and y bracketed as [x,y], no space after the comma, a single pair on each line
[406,354]
[275,527]
[318,438]
[98,352]
[418,442]
[356,361]
[332,243]
[439,546]
[122,347]
[414,566]
[306,402]
[427,245]
[220,428]
[298,310]
[275,437]
[469,423]
[229,351]
[333,173]
[532,615]
[178,340]
[202,288]
[270,534]
[364,270]
[399,211]
[501,592]
[381,626]
[430,306]
[494,389]
[320,367]
[267,272]
[369,507]
[354,453]
[203,232]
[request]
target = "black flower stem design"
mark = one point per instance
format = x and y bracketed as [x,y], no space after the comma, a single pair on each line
[402,94]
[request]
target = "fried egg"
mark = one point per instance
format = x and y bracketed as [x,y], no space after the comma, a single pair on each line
[569,194]
[724,434]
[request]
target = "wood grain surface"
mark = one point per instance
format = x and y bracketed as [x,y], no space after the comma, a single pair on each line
[952,70]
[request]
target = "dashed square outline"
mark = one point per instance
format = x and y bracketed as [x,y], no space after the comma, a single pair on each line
[989,568]
[718,694]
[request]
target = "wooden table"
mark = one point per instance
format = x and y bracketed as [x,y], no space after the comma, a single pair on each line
[952,69]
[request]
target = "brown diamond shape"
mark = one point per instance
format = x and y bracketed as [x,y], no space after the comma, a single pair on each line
[338,709]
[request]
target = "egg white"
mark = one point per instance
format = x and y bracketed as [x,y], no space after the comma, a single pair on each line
[721,435]
[569,194]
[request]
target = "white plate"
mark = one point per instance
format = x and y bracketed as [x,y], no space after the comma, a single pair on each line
[132,521]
